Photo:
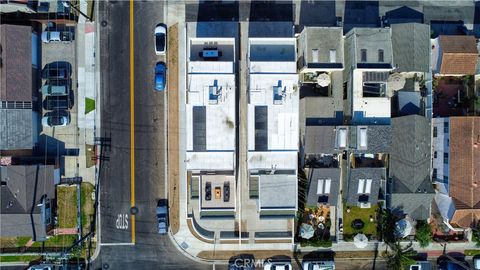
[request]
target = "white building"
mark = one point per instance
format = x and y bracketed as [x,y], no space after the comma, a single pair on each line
[210,123]
[273,133]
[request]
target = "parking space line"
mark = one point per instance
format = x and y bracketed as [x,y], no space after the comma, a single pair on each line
[132,121]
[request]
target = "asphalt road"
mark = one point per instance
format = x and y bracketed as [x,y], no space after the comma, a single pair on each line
[151,251]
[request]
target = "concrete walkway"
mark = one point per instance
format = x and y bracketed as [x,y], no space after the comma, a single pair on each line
[65,231]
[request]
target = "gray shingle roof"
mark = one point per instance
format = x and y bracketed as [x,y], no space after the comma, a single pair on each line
[372,40]
[324,173]
[411,46]
[24,188]
[16,131]
[355,174]
[416,205]
[322,39]
[16,68]
[379,139]
[410,156]
[320,140]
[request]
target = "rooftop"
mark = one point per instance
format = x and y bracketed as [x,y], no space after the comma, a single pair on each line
[364,185]
[323,139]
[411,47]
[277,192]
[465,166]
[16,67]
[369,48]
[459,55]
[321,47]
[273,103]
[211,96]
[324,186]
[16,129]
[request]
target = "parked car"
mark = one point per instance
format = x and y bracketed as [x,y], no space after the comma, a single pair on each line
[160,75]
[56,118]
[55,73]
[56,36]
[324,265]
[340,225]
[476,262]
[277,266]
[162,216]
[57,103]
[160,39]
[42,267]
[56,88]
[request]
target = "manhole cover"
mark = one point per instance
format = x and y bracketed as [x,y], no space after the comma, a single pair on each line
[134,210]
[104,23]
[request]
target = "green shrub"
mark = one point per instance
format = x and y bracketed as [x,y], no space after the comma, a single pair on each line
[424,233]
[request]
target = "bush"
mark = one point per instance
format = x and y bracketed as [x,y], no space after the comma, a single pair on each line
[476,236]
[424,233]
[316,242]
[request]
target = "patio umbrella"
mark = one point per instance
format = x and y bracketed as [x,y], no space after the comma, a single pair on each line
[323,80]
[360,240]
[396,81]
[306,231]
[403,228]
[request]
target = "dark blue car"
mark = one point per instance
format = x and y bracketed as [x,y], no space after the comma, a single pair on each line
[160,76]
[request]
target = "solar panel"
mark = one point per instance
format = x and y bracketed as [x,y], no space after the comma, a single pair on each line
[199,128]
[261,128]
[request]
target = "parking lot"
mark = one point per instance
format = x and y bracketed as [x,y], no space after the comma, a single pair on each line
[61,140]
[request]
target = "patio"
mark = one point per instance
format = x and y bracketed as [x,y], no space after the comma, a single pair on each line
[449,94]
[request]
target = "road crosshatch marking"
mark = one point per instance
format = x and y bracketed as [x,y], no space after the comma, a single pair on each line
[132,121]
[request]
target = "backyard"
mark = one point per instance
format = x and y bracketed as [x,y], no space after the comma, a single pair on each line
[453,96]
[363,214]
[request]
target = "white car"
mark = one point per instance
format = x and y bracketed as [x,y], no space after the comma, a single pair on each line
[160,39]
[56,119]
[277,266]
[319,265]
[476,262]
[56,36]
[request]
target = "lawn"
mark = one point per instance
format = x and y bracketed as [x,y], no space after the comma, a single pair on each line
[19,258]
[89,105]
[58,241]
[11,242]
[472,252]
[87,205]
[363,214]
[67,206]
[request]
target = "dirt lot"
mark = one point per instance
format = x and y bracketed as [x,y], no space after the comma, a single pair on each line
[173,129]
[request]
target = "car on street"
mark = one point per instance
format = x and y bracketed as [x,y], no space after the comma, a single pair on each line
[162,216]
[160,39]
[55,73]
[57,103]
[160,76]
[42,267]
[476,262]
[56,88]
[57,36]
[277,266]
[323,265]
[56,118]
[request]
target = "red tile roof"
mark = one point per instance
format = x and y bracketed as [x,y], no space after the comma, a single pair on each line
[459,55]
[465,169]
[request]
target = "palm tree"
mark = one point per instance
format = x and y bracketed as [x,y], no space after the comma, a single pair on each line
[399,257]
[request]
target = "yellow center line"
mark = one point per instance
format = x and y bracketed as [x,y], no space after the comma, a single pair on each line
[132,123]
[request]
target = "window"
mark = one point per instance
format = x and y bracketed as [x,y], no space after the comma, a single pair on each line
[364,186]
[315,55]
[435,154]
[445,127]
[445,178]
[380,55]
[363,53]
[434,174]
[434,132]
[333,56]
[323,186]
[445,158]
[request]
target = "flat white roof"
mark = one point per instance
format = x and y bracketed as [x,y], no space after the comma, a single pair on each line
[373,106]
[273,108]
[210,108]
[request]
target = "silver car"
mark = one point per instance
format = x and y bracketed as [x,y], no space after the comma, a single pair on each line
[57,36]
[162,216]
